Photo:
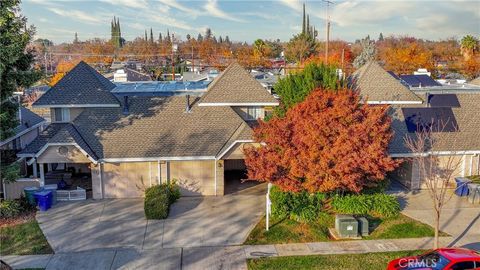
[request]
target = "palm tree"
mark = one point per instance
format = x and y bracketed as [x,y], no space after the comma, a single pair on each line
[469,45]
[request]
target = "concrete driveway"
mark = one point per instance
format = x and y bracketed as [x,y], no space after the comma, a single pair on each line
[459,218]
[120,223]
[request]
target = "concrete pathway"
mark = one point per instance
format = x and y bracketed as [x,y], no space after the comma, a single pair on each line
[192,222]
[231,257]
[459,218]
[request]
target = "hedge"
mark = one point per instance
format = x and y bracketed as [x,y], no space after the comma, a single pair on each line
[380,204]
[158,199]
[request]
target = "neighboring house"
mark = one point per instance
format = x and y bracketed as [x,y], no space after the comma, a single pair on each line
[130,75]
[123,140]
[30,125]
[460,111]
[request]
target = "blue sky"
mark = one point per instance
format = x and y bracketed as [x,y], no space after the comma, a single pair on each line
[249,20]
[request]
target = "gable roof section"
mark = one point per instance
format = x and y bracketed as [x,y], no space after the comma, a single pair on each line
[157,128]
[235,86]
[465,139]
[82,86]
[29,121]
[244,133]
[377,86]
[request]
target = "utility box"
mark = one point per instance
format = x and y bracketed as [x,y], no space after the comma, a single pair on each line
[363,226]
[346,226]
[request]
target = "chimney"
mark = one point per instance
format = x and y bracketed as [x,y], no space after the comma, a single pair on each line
[125,105]
[187,107]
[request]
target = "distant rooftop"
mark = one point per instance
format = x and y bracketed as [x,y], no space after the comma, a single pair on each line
[161,88]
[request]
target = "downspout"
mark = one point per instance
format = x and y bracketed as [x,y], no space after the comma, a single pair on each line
[215,174]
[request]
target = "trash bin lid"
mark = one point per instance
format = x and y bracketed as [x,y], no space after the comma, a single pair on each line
[31,188]
[43,193]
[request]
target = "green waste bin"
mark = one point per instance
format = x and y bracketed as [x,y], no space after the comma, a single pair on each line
[29,191]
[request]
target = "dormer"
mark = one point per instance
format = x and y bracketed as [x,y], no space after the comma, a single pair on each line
[236,88]
[83,87]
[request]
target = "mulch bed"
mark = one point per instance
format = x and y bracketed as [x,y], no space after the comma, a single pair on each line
[22,218]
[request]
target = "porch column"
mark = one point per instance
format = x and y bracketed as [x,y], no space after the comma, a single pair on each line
[49,167]
[35,169]
[42,175]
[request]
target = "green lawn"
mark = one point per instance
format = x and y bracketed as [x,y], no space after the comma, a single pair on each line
[289,231]
[345,261]
[23,239]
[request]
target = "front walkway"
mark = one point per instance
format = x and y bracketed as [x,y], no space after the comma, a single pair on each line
[193,222]
[231,257]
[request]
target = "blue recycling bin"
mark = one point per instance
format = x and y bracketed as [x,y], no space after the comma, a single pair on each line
[53,188]
[44,199]
[462,186]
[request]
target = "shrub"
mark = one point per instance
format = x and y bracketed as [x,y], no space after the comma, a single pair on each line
[302,206]
[382,205]
[10,208]
[158,199]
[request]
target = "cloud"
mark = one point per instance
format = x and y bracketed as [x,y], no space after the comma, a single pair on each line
[138,4]
[177,5]
[77,15]
[212,8]
[293,4]
[371,12]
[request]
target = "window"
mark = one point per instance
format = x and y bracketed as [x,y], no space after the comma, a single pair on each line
[253,113]
[464,265]
[62,114]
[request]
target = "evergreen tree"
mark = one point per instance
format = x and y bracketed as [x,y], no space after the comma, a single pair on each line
[380,37]
[188,37]
[208,33]
[227,40]
[369,52]
[214,39]
[75,40]
[220,39]
[116,36]
[16,63]
[151,35]
[168,36]
[303,20]
[199,37]
[146,37]
[120,41]
[160,38]
[308,25]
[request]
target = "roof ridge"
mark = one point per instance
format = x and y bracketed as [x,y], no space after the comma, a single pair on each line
[214,82]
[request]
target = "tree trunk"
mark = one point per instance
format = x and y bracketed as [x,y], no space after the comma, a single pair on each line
[437,229]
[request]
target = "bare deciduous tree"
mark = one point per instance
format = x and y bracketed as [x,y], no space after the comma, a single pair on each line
[437,170]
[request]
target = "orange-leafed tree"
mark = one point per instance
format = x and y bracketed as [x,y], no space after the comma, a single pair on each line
[408,58]
[62,68]
[328,142]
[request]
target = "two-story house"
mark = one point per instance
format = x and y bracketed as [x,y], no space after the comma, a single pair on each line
[118,139]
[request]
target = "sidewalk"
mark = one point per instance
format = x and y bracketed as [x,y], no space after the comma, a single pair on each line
[231,257]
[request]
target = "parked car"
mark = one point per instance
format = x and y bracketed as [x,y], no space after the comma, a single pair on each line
[439,259]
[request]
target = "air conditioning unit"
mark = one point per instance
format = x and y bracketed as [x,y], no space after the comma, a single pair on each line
[346,226]
[363,224]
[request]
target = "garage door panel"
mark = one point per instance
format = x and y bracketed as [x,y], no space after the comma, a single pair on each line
[126,180]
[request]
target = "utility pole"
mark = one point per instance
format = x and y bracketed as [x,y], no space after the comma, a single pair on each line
[327,31]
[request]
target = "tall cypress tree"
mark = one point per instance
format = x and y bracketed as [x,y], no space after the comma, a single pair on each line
[16,63]
[160,38]
[303,20]
[151,35]
[146,37]
[119,34]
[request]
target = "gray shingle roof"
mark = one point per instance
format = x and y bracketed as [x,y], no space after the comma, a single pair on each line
[43,138]
[68,134]
[29,119]
[376,84]
[82,85]
[236,85]
[157,127]
[465,139]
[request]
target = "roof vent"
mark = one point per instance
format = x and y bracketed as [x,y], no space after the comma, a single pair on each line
[187,107]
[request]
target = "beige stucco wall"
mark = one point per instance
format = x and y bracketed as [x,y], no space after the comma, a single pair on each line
[242,111]
[74,112]
[51,155]
[129,179]
[15,190]
[97,188]
[459,165]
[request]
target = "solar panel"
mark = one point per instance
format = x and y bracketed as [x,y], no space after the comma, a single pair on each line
[411,80]
[444,100]
[434,119]
[161,88]
[419,80]
[427,81]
